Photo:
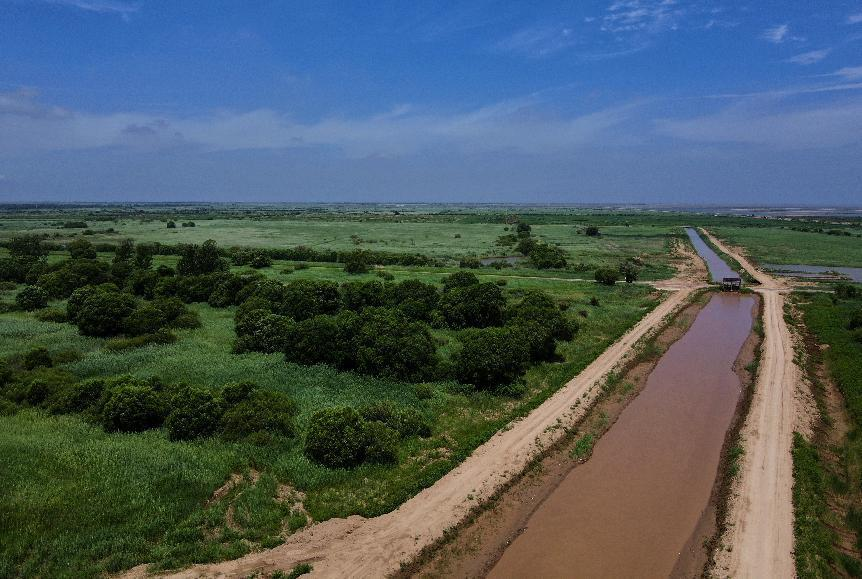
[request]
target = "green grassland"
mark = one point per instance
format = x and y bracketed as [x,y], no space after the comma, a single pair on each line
[132,498]
[786,246]
[818,478]
[451,240]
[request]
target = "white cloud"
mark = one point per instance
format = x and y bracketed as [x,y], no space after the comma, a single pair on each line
[520,125]
[811,57]
[776,34]
[650,16]
[849,73]
[124,9]
[537,42]
[855,18]
[764,123]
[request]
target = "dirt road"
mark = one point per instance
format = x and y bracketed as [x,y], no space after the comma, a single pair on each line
[759,540]
[357,547]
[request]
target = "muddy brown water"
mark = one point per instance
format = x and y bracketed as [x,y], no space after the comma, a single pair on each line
[630,510]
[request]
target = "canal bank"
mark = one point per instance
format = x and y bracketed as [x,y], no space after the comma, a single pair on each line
[641,499]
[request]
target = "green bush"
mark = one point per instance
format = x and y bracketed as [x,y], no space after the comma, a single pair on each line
[406,422]
[381,443]
[261,411]
[546,256]
[490,358]
[322,340]
[236,392]
[79,397]
[473,306]
[469,263]
[64,278]
[357,262]
[416,299]
[539,307]
[592,231]
[200,259]
[132,408]
[387,344]
[196,413]
[31,298]
[55,315]
[100,310]
[630,270]
[161,336]
[358,295]
[335,438]
[305,298]
[607,276]
[81,249]
[459,279]
[35,358]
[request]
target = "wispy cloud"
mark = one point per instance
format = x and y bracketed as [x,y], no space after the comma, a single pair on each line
[855,18]
[537,42]
[776,34]
[520,125]
[765,124]
[124,9]
[811,57]
[848,73]
[650,16]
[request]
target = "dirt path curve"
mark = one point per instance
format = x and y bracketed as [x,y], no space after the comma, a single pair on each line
[358,547]
[759,540]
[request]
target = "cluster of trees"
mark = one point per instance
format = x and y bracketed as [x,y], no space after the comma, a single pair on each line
[254,258]
[385,329]
[629,270]
[237,411]
[542,255]
[343,437]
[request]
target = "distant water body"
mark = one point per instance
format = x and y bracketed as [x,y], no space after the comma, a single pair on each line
[718,268]
[799,270]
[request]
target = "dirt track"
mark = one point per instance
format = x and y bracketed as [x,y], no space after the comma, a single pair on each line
[358,547]
[759,540]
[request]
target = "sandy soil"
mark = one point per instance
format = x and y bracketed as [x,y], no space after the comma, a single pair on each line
[358,547]
[759,540]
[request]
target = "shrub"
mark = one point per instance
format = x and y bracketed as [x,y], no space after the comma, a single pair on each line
[322,340]
[79,397]
[100,311]
[131,408]
[357,295]
[31,298]
[196,413]
[630,270]
[545,256]
[145,319]
[523,229]
[391,346]
[490,358]
[72,274]
[846,290]
[356,262]
[469,263]
[7,407]
[261,411]
[385,275]
[607,276]
[459,279]
[307,298]
[267,333]
[35,358]
[142,282]
[478,306]
[381,443]
[592,231]
[200,259]
[537,306]
[52,315]
[82,249]
[161,336]
[335,438]
[526,245]
[405,421]
[236,392]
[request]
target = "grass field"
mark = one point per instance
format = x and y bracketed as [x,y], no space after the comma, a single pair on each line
[827,475]
[438,239]
[788,247]
[157,490]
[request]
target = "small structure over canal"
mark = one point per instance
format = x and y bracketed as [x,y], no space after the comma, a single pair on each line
[731,283]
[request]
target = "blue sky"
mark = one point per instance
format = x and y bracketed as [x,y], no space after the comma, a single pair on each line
[671,101]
